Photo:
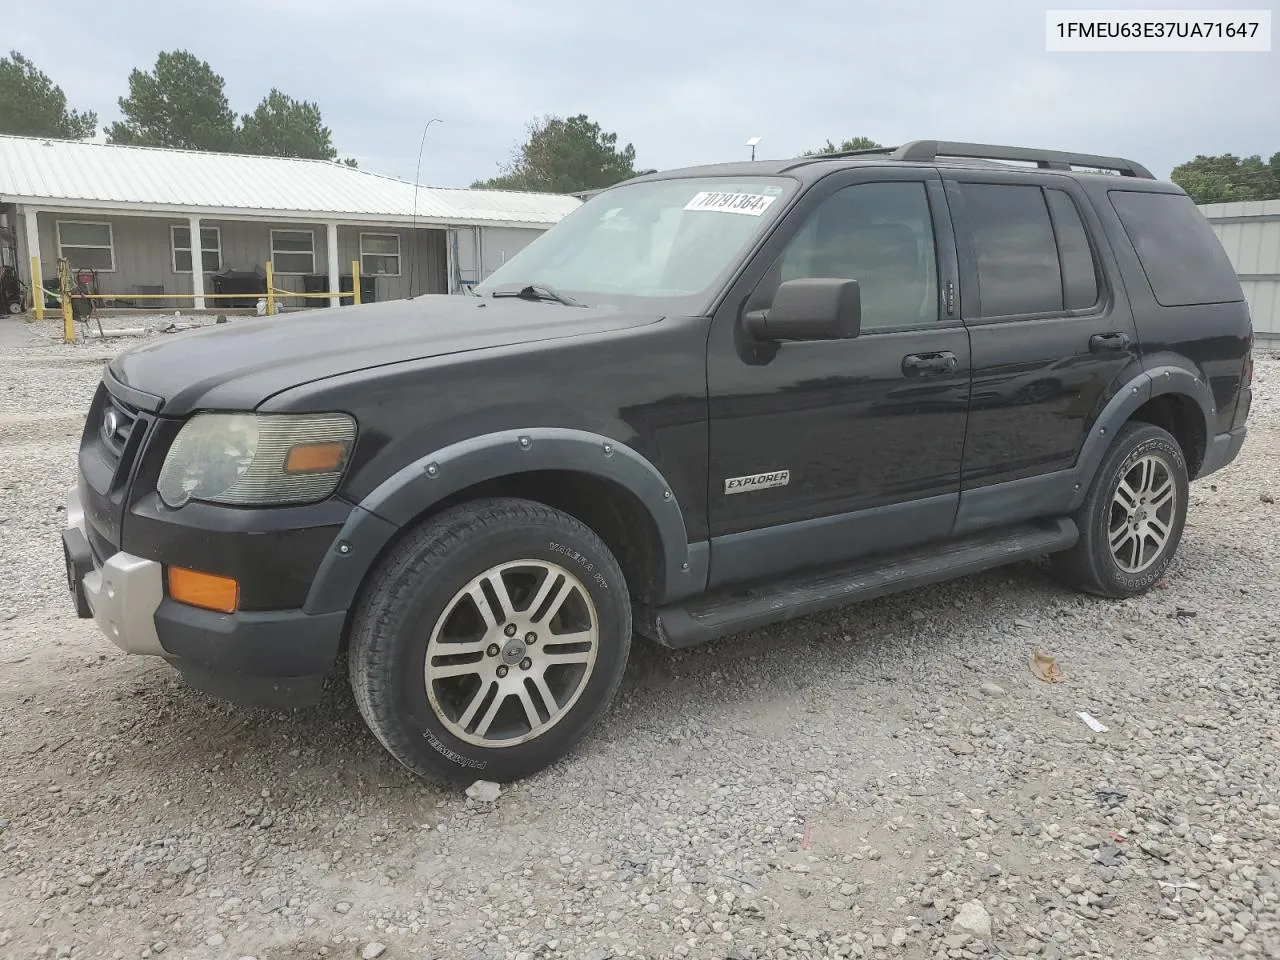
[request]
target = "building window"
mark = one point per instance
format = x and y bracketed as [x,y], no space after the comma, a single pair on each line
[380,254]
[210,249]
[86,245]
[293,251]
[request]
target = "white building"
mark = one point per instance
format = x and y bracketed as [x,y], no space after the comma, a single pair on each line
[1250,233]
[126,216]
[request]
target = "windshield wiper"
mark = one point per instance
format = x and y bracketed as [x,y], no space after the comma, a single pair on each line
[538,291]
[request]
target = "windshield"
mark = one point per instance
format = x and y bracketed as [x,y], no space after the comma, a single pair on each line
[666,240]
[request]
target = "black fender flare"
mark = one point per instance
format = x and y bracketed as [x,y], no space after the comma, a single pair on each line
[1153,382]
[403,496]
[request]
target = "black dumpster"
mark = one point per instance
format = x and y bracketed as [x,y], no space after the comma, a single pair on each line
[248,282]
[319,283]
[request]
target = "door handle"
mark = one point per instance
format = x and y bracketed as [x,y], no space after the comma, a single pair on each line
[928,364]
[1108,342]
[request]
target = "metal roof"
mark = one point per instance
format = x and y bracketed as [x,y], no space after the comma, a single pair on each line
[83,174]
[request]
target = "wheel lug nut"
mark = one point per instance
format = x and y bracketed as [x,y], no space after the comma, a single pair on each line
[530,639]
[493,650]
[510,630]
[502,671]
[526,663]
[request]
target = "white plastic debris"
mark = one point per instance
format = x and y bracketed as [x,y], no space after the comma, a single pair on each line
[1094,725]
[484,791]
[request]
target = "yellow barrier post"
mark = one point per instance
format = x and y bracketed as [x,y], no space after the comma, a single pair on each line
[271,290]
[37,291]
[68,318]
[355,282]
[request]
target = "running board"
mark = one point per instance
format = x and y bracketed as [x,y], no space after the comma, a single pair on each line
[735,610]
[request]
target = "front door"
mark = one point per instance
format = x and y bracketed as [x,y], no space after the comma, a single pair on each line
[824,451]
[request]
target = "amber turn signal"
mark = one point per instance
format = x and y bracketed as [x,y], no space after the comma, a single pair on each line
[314,457]
[203,590]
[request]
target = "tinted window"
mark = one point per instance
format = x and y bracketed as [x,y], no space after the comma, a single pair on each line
[1079,281]
[1180,254]
[1017,256]
[880,234]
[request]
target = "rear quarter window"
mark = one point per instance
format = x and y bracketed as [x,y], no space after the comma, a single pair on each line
[1179,252]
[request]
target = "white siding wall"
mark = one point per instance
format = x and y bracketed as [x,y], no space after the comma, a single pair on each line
[1250,233]
[497,246]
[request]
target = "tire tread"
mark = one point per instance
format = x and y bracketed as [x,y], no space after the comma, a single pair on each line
[417,556]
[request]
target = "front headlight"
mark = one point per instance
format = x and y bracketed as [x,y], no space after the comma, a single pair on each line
[250,459]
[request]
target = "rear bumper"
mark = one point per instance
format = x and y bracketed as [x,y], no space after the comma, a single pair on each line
[1223,448]
[273,658]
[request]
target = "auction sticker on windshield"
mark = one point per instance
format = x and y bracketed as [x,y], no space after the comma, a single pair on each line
[752,204]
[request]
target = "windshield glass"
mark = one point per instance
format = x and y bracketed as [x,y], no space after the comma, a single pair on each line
[666,240]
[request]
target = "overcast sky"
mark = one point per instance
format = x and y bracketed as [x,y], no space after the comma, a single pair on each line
[685,82]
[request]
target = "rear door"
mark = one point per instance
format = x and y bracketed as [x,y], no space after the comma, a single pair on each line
[1051,334]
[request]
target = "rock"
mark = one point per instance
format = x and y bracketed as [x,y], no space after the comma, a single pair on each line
[216,940]
[990,689]
[899,938]
[1267,498]
[374,950]
[878,941]
[972,919]
[960,747]
[956,940]
[342,907]
[484,791]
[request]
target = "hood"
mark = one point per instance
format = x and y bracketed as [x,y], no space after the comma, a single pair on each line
[239,364]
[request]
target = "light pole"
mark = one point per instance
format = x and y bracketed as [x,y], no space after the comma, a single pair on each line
[751,142]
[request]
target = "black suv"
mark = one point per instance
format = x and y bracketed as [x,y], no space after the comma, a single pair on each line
[707,400]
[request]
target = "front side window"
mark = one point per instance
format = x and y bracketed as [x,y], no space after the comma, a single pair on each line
[1013,242]
[86,245]
[666,242]
[880,234]
[210,249]
[293,251]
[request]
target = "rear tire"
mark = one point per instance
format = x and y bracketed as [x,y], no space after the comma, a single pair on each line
[461,659]
[1131,522]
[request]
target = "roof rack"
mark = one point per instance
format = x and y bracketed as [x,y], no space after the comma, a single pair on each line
[926,151]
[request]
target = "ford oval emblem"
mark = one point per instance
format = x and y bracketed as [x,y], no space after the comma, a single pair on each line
[111,422]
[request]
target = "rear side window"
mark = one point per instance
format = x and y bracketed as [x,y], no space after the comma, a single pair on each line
[1017,254]
[1079,278]
[1180,254]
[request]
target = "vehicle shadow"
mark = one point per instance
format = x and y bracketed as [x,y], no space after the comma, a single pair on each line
[201,747]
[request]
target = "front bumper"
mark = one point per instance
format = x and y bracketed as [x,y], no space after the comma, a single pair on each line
[275,658]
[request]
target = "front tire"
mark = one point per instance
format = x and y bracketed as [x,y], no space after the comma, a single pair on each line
[490,641]
[1132,520]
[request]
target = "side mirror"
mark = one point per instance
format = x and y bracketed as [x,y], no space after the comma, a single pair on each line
[813,308]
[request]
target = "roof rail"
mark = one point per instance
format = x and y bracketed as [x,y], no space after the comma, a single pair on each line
[926,151]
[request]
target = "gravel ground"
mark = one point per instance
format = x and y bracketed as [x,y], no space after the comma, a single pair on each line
[889,781]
